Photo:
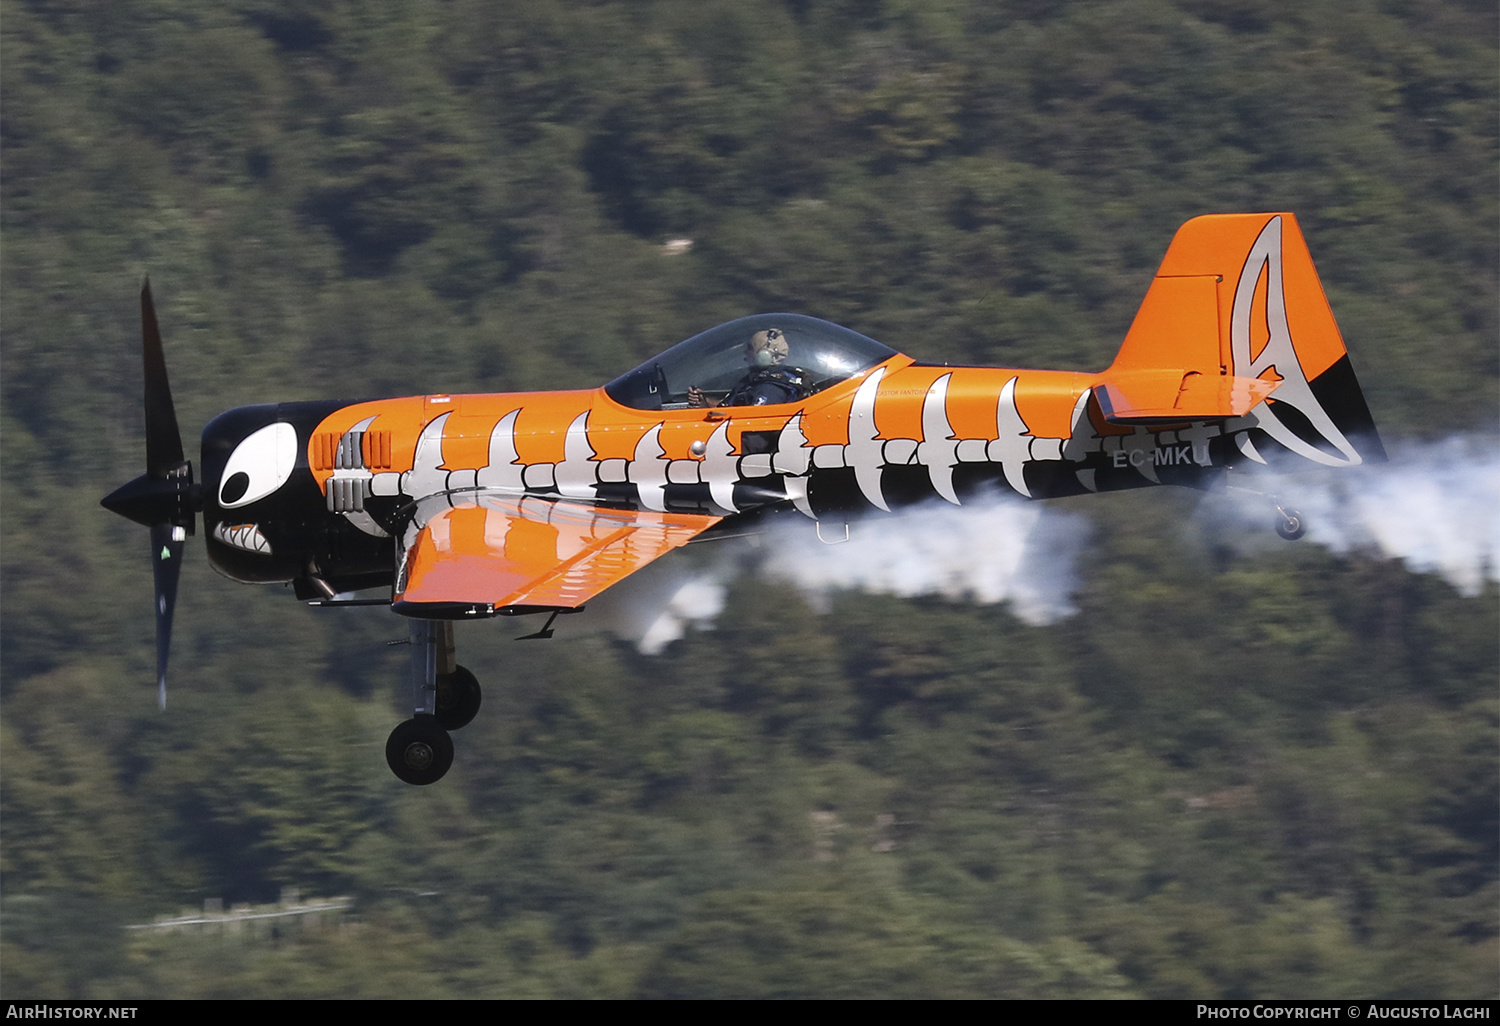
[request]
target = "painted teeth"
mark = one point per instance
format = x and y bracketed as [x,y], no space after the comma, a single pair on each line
[243,536]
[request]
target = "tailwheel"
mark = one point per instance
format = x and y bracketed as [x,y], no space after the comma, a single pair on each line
[1289,523]
[419,751]
[458,698]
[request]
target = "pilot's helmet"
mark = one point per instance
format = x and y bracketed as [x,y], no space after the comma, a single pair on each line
[767,348]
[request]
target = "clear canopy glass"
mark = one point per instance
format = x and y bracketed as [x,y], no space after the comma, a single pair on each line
[722,365]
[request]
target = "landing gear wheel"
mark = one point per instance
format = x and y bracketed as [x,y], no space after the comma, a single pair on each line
[1291,526]
[419,751]
[458,698]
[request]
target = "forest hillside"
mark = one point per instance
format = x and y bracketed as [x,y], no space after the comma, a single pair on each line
[1209,764]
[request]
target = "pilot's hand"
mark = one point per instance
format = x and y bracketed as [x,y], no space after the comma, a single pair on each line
[696,396]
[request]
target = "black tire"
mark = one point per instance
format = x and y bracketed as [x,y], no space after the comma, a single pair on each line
[419,751]
[1291,526]
[458,698]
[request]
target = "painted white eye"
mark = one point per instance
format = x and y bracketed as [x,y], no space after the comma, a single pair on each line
[258,466]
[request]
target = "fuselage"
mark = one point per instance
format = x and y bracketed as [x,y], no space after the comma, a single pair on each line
[890,436]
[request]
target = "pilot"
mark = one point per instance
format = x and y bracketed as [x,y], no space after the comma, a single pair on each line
[768,381]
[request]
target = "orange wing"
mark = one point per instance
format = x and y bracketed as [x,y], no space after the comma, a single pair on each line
[478,555]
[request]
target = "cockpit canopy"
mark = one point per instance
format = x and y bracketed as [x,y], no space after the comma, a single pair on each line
[719,362]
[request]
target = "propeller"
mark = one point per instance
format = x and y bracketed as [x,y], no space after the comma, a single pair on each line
[164,498]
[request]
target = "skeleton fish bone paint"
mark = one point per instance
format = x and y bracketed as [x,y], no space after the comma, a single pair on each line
[462,506]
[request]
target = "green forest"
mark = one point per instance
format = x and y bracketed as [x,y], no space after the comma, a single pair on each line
[1236,770]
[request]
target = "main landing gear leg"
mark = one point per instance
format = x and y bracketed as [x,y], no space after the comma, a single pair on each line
[458,695]
[420,751]
[445,696]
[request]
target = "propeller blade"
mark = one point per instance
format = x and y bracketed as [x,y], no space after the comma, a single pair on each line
[164,498]
[166,564]
[163,441]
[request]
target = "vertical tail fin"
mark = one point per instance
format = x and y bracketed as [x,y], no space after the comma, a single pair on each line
[1236,328]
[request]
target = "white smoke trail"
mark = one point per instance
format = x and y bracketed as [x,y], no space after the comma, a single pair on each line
[696,603]
[1434,506]
[991,551]
[656,606]
[994,550]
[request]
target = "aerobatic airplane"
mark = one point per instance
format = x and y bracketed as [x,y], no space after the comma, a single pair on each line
[462,507]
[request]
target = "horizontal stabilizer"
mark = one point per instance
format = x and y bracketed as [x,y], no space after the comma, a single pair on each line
[1165,396]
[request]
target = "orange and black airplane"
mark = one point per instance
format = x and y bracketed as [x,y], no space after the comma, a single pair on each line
[461,507]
